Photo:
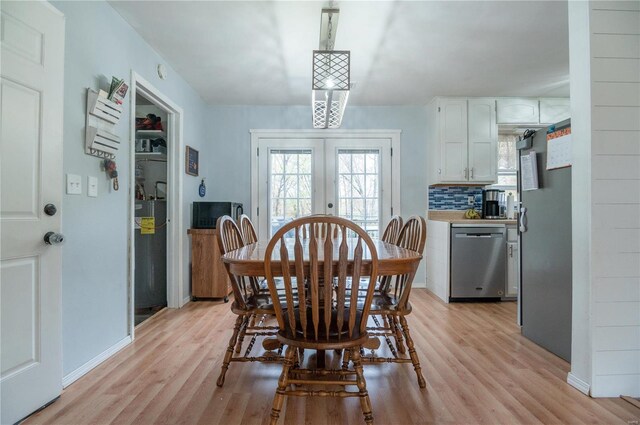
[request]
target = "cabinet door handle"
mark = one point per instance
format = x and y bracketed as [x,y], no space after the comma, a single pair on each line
[472,173]
[466,176]
[511,251]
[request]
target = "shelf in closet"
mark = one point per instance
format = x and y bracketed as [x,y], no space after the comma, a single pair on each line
[150,134]
[158,156]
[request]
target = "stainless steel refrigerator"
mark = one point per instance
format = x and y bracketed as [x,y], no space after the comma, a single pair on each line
[151,257]
[544,223]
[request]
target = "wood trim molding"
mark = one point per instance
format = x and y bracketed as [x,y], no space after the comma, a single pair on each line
[578,384]
[95,362]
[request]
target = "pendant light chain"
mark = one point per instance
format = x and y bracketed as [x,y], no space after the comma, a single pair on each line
[329,34]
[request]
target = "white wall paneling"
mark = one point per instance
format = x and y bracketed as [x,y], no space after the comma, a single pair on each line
[605,87]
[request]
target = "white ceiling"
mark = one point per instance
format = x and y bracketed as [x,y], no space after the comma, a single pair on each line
[402,53]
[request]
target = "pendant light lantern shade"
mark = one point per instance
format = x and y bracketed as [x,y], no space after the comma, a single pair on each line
[330,87]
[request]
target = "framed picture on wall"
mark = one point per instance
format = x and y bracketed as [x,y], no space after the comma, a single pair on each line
[191,166]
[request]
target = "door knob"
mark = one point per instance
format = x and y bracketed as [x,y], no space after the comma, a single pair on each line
[330,205]
[53,238]
[50,209]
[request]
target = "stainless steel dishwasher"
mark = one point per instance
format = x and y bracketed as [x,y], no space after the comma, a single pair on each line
[478,261]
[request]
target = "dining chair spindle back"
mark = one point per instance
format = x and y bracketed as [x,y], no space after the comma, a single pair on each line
[327,316]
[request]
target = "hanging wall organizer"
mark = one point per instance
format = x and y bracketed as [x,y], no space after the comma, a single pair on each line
[102,117]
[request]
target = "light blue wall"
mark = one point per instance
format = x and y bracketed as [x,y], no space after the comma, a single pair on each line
[99,44]
[229,128]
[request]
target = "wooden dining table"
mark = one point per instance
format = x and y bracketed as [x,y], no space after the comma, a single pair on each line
[249,261]
[392,259]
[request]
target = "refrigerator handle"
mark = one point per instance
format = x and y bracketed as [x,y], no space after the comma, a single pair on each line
[523,219]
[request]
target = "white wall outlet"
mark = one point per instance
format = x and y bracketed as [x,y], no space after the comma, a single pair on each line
[92,186]
[74,184]
[471,200]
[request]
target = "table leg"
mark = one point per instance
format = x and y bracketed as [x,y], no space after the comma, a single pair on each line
[320,359]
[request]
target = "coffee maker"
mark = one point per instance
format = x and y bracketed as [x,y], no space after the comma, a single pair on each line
[492,203]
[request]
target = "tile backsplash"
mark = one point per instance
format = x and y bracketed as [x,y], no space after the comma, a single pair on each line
[454,197]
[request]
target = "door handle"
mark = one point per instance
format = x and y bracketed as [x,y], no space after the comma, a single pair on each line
[330,205]
[53,238]
[50,209]
[523,219]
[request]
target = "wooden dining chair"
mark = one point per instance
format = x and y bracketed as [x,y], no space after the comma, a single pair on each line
[247,230]
[248,304]
[392,231]
[392,304]
[325,317]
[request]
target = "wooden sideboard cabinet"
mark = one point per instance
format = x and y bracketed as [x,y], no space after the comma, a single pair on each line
[209,278]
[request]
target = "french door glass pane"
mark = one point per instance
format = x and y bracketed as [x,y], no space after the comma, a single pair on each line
[359,189]
[291,187]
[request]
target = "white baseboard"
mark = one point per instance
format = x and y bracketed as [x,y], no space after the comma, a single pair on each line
[186,300]
[578,383]
[419,284]
[94,362]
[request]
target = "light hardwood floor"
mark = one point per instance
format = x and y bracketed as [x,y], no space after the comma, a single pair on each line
[478,367]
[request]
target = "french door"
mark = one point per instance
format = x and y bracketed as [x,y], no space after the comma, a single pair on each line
[350,178]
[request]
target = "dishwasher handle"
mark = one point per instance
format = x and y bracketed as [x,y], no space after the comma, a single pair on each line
[478,235]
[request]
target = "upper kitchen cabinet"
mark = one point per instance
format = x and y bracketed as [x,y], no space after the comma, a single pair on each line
[554,110]
[453,139]
[462,143]
[513,110]
[483,140]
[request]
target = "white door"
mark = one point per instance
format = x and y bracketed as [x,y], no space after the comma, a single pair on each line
[453,139]
[31,92]
[358,183]
[347,177]
[483,140]
[291,182]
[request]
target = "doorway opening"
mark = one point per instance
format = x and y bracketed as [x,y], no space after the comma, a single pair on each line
[155,242]
[150,217]
[351,174]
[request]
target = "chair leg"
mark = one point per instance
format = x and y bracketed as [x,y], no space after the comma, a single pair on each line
[365,402]
[278,400]
[243,330]
[395,325]
[345,359]
[229,354]
[412,353]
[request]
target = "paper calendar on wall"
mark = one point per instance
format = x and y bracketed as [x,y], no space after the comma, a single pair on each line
[559,149]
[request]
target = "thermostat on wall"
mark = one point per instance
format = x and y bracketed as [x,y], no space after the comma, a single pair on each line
[162,71]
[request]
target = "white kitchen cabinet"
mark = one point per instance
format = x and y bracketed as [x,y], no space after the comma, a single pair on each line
[512,110]
[483,140]
[513,270]
[554,110]
[453,139]
[462,141]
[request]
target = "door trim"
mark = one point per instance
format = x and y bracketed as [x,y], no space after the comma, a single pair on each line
[175,216]
[394,135]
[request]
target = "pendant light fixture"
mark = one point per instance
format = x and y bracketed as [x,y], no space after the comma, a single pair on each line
[331,76]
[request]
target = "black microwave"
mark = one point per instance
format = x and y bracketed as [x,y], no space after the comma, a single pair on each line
[205,214]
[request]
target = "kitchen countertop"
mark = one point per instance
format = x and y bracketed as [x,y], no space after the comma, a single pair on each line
[457,217]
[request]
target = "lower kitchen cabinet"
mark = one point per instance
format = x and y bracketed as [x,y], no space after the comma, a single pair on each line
[513,270]
[209,278]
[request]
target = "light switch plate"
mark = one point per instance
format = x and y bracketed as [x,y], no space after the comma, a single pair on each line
[92,186]
[471,200]
[74,184]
